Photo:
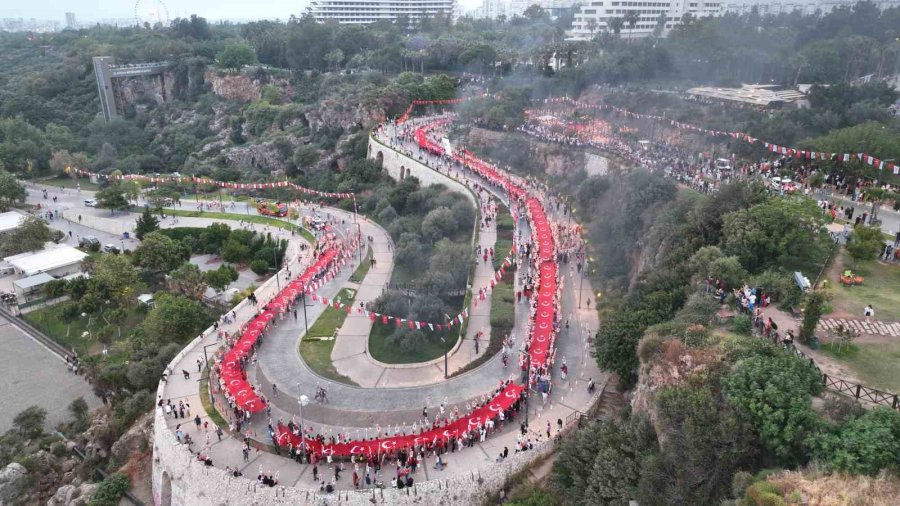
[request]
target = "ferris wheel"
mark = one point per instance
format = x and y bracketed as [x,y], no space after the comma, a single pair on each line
[151,11]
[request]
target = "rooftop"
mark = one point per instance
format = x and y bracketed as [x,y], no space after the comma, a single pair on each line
[749,94]
[10,221]
[46,260]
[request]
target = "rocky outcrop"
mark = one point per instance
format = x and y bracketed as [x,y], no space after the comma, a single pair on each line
[132,91]
[73,495]
[12,482]
[339,113]
[265,157]
[137,439]
[666,362]
[247,87]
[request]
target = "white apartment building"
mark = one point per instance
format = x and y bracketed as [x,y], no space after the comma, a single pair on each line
[602,11]
[774,7]
[370,11]
[493,9]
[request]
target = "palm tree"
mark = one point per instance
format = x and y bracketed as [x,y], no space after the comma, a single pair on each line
[632,18]
[616,24]
[592,26]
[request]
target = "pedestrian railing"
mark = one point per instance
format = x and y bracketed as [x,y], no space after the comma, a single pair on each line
[857,391]
[861,392]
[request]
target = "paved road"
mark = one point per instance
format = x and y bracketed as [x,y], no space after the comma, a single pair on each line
[32,375]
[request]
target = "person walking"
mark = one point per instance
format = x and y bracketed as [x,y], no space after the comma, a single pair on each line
[868,312]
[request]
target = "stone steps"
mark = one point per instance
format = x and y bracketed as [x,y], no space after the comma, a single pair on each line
[871,327]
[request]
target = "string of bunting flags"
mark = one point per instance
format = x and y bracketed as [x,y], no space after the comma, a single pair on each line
[805,154]
[208,181]
[385,319]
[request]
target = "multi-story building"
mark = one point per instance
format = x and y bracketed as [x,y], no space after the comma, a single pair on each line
[808,7]
[493,9]
[70,20]
[370,11]
[594,16]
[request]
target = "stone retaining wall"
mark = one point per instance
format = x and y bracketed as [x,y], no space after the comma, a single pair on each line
[400,166]
[180,479]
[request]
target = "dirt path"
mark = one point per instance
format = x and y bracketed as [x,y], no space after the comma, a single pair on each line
[827,364]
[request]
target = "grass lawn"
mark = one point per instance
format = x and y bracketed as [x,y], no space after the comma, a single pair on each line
[317,355]
[384,351]
[207,402]
[881,288]
[874,363]
[67,182]
[360,273]
[252,218]
[316,352]
[51,322]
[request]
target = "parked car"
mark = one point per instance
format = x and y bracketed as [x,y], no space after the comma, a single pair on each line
[88,240]
[90,203]
[111,248]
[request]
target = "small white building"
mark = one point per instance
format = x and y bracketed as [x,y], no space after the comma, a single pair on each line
[10,221]
[57,262]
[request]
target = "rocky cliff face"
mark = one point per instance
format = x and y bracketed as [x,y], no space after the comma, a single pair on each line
[334,113]
[136,91]
[246,88]
[666,363]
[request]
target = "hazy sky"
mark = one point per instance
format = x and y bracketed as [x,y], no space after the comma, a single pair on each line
[210,9]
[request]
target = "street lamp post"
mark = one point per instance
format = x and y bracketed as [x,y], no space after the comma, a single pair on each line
[205,357]
[305,321]
[302,400]
[581,283]
[527,382]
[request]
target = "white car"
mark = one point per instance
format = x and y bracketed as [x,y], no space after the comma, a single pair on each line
[90,203]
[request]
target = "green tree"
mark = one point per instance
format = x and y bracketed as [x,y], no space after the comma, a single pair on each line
[259,267]
[111,490]
[783,232]
[11,191]
[112,197]
[696,427]
[601,463]
[30,422]
[334,58]
[160,254]
[29,236]
[616,25]
[174,319]
[631,19]
[863,445]
[865,243]
[145,224]
[615,346]
[116,274]
[159,197]
[775,392]
[187,280]
[813,307]
[236,56]
[222,277]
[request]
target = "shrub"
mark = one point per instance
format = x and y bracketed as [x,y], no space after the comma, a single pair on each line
[259,267]
[741,325]
[650,347]
[739,483]
[764,493]
[111,490]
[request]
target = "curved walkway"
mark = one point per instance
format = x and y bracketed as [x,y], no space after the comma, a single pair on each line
[350,355]
[361,410]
